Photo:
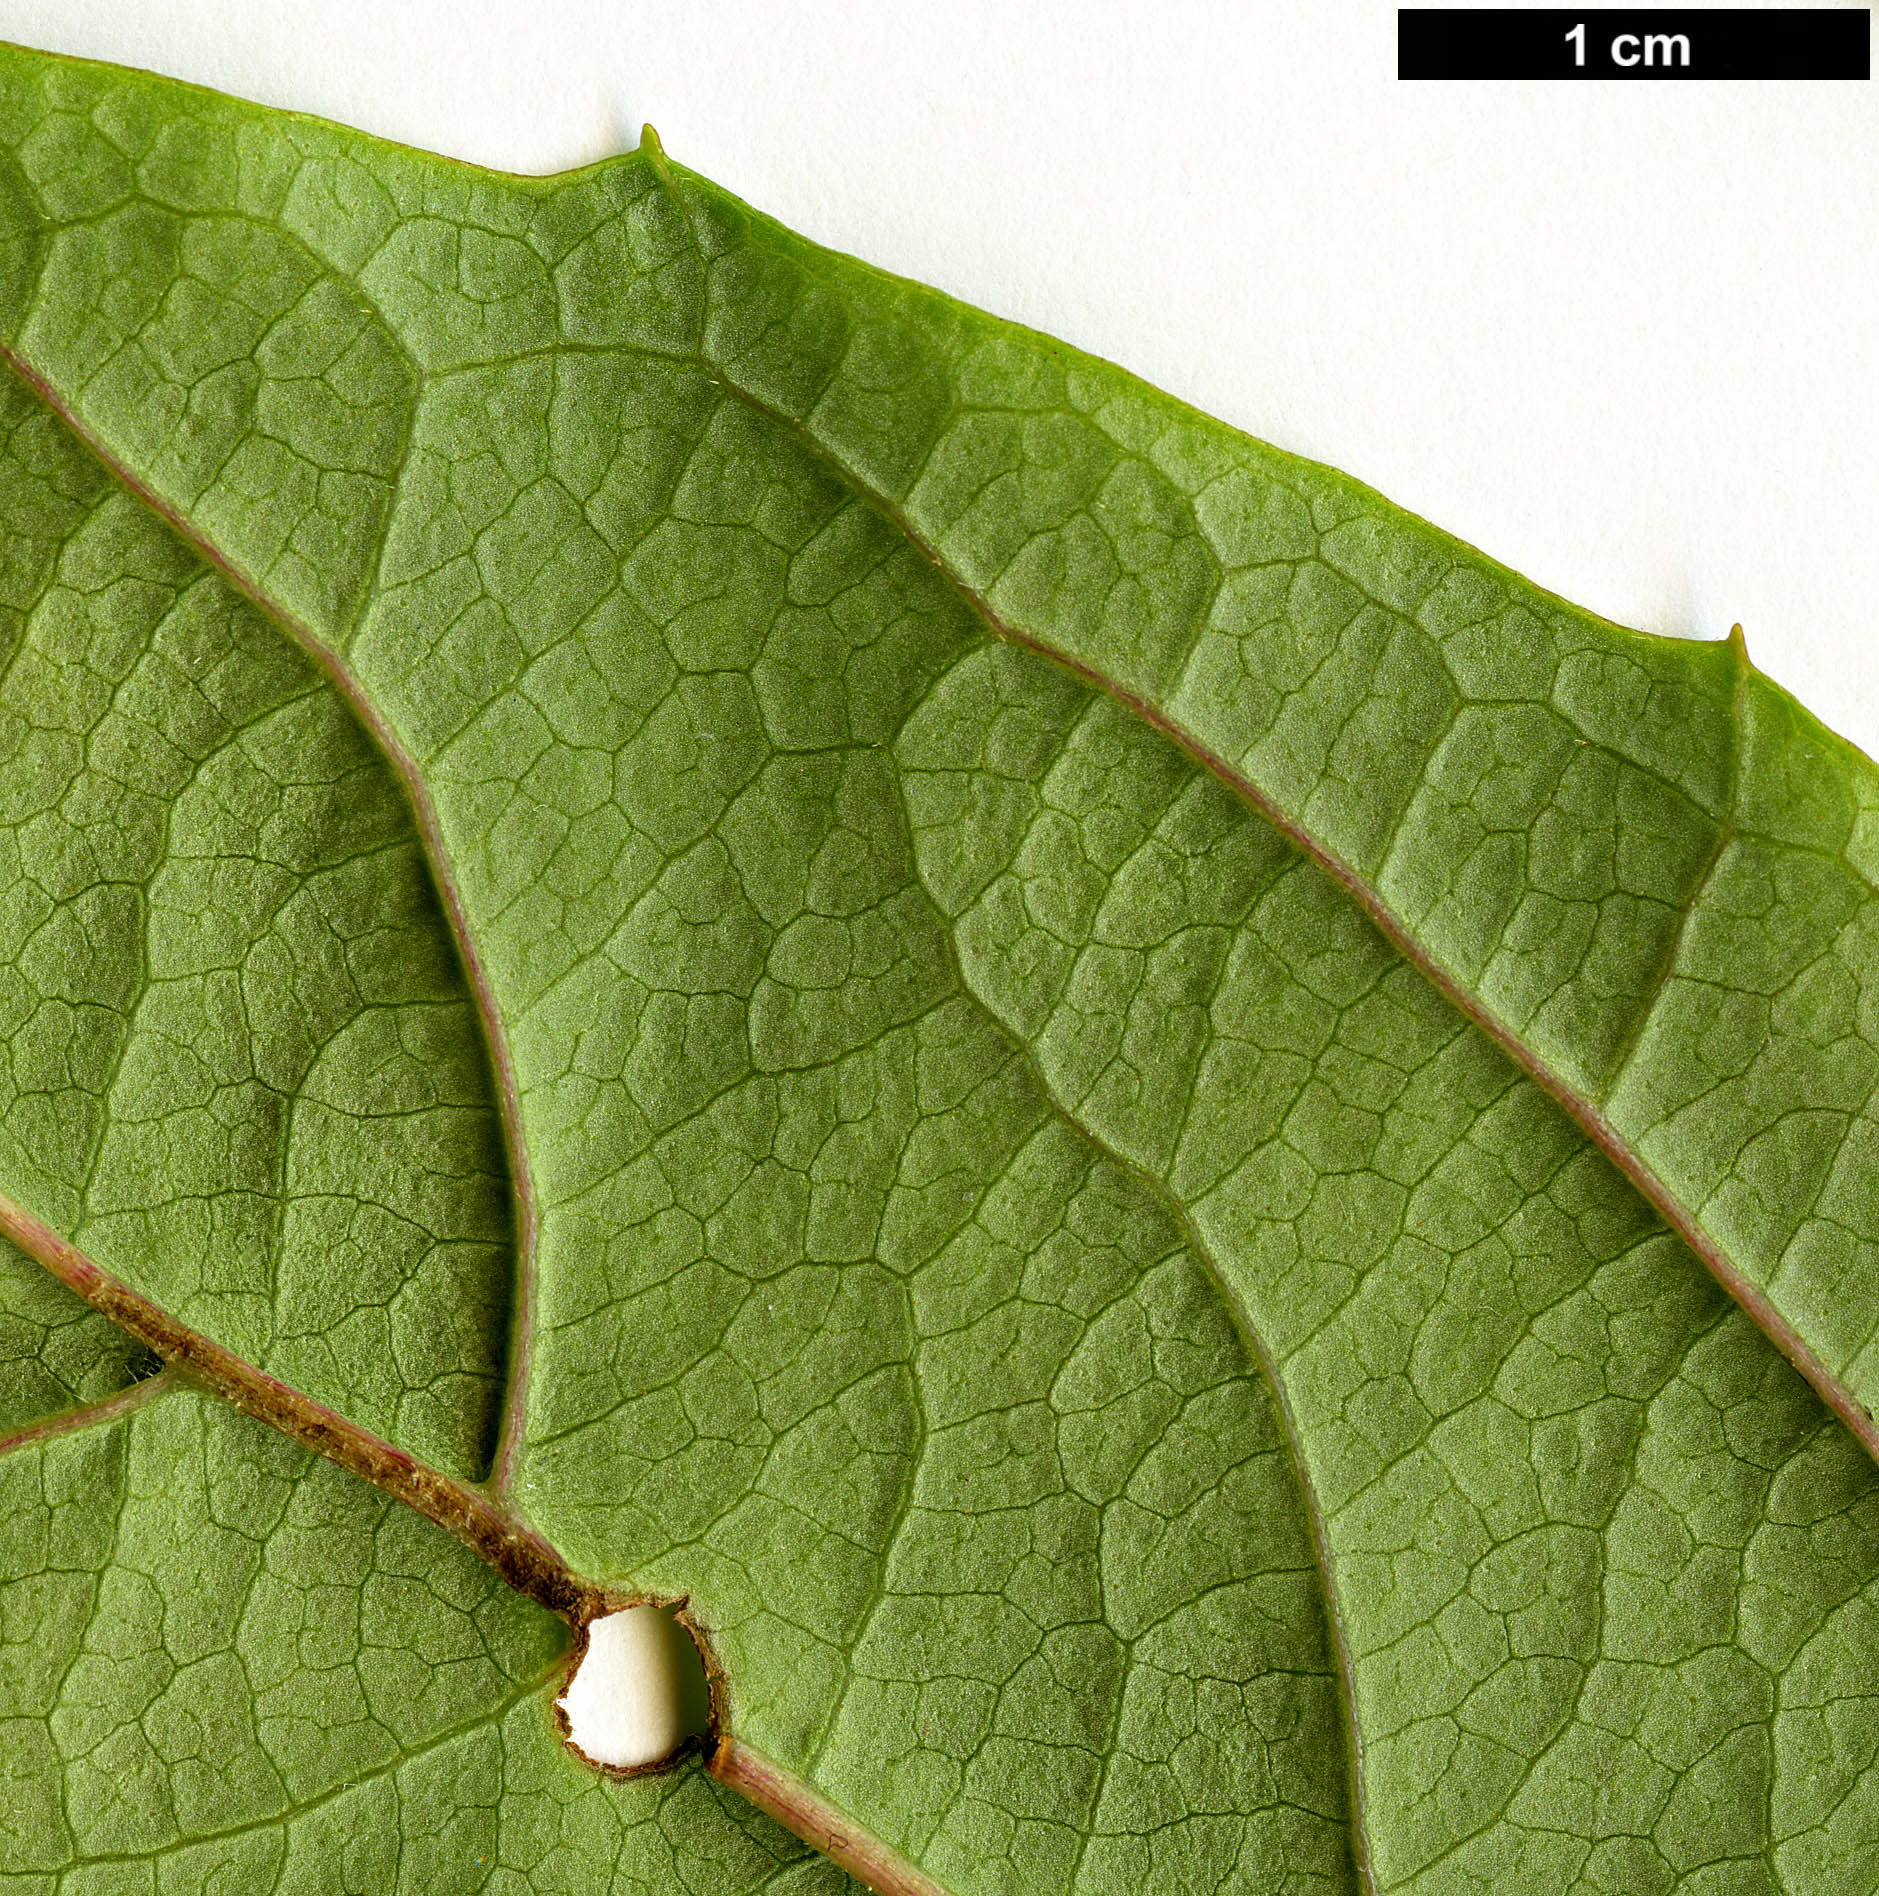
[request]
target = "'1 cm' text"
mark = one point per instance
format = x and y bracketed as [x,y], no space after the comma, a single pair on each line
[1636,49]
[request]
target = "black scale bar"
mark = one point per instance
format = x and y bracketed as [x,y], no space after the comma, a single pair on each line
[1634,43]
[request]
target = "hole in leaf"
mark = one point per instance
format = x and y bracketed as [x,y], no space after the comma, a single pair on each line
[637,1695]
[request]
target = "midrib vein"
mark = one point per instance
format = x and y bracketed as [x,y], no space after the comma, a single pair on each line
[478,1516]
[475,1515]
[522,1558]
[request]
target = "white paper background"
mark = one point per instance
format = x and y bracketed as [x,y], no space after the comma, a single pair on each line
[1620,336]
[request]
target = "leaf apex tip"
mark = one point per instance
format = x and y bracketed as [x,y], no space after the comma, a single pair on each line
[1738,644]
[652,149]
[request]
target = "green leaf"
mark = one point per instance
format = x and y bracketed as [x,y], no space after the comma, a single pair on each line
[231,1666]
[759,939]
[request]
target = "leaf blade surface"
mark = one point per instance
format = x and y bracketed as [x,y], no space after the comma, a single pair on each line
[918,1064]
[232,1663]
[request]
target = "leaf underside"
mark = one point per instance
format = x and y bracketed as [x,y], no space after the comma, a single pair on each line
[1201,1169]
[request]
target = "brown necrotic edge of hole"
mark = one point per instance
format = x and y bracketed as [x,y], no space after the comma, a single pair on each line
[707,1720]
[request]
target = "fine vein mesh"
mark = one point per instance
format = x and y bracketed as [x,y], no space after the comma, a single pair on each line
[228,1665]
[1569,1493]
[939,1092]
[240,1067]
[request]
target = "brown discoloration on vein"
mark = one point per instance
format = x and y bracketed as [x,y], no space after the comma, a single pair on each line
[520,1556]
[522,1559]
[431,841]
[817,1822]
[475,1516]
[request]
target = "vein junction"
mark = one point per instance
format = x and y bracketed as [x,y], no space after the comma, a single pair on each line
[939,1093]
